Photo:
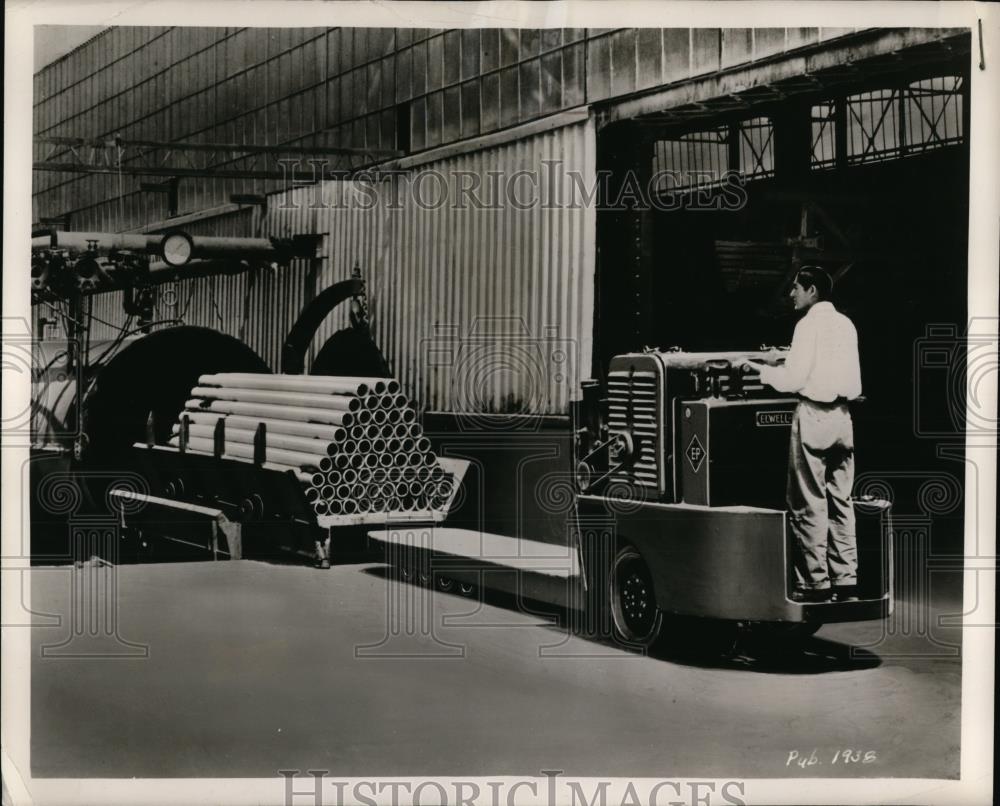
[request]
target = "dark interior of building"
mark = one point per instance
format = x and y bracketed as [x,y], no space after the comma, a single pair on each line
[888,221]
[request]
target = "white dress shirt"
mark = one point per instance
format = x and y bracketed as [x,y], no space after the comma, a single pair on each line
[822,363]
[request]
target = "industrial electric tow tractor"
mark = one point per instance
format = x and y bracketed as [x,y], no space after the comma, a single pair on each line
[681,470]
[680,530]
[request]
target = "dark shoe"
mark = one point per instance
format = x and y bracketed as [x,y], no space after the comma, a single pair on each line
[811,596]
[845,593]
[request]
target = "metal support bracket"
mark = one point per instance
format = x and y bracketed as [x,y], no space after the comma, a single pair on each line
[259,444]
[185,433]
[153,508]
[219,447]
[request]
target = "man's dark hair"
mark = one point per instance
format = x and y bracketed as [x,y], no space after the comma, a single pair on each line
[816,277]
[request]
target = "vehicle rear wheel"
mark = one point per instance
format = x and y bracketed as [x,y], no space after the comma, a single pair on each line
[636,617]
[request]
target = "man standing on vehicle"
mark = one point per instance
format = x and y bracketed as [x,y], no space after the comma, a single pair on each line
[823,369]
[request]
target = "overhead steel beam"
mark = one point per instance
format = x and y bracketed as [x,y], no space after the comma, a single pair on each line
[883,74]
[228,148]
[206,173]
[307,164]
[853,59]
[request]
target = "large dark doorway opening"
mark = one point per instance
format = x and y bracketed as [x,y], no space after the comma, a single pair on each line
[870,181]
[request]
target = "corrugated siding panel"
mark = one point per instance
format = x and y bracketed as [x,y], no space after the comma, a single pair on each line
[476,309]
[350,218]
[108,316]
[490,310]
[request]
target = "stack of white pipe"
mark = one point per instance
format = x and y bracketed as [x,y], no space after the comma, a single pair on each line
[354,443]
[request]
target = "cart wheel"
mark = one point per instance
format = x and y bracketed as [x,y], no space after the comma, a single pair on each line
[405,573]
[466,588]
[637,618]
[444,583]
[425,577]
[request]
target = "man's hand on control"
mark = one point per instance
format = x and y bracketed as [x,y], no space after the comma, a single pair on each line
[772,359]
[777,355]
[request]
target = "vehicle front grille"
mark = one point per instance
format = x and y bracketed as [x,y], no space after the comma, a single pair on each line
[633,407]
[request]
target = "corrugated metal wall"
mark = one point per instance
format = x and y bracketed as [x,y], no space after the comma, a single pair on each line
[501,303]
[477,308]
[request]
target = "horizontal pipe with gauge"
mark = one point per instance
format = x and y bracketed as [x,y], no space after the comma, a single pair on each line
[172,255]
[177,246]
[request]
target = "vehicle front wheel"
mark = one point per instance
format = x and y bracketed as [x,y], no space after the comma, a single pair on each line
[636,617]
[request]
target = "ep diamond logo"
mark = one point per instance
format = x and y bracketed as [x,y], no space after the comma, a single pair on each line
[695,453]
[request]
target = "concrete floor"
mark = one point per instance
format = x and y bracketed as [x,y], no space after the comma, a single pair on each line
[253,668]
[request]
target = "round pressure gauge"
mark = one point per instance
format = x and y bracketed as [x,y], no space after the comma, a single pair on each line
[177,248]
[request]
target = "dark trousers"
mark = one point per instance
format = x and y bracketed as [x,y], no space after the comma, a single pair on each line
[820,478]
